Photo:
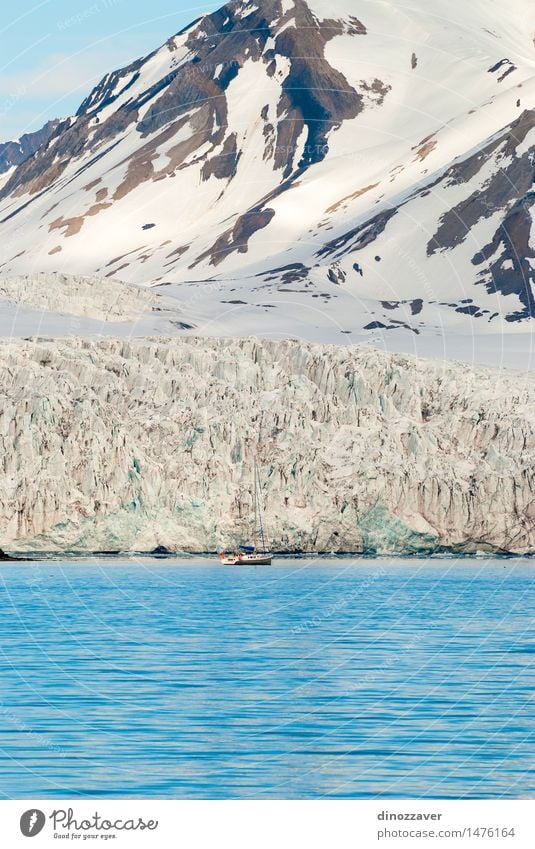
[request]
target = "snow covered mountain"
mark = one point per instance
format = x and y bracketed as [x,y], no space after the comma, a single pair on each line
[332,169]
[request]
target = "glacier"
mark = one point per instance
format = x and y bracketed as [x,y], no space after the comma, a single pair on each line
[128,444]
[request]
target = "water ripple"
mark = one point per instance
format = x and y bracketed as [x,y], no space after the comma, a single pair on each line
[341,680]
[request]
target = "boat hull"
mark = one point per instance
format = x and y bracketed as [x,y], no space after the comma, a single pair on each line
[247,560]
[256,560]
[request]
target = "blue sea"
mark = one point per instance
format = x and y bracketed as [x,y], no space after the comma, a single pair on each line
[309,679]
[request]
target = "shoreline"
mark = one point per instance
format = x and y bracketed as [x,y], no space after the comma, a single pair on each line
[51,557]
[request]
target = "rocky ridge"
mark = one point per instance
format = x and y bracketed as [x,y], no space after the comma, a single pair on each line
[13,153]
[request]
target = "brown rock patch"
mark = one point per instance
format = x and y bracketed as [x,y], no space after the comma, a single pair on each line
[70,226]
[346,200]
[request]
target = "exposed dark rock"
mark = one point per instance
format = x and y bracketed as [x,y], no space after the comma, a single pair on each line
[507,256]
[293,273]
[111,87]
[223,166]
[416,305]
[190,87]
[498,65]
[336,275]
[37,172]
[506,73]
[16,152]
[355,27]
[507,184]
[315,95]
[230,72]
[469,310]
[506,66]
[376,90]
[237,237]
[511,272]
[358,237]
[394,325]
[515,178]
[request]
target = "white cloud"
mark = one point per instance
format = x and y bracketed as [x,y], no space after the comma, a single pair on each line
[56,86]
[59,75]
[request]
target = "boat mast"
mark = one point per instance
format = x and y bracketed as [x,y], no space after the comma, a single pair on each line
[259,525]
[255,511]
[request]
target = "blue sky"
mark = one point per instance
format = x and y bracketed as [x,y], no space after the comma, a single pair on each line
[54,51]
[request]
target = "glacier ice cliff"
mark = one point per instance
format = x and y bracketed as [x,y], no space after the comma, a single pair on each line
[131,444]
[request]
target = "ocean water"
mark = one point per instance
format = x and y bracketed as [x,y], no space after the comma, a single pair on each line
[324,679]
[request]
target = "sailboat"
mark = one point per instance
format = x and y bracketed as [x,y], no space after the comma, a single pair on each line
[255,554]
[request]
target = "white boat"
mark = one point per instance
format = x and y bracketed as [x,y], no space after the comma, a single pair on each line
[243,558]
[256,554]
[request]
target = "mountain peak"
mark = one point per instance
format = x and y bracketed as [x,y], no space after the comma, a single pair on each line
[308,153]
